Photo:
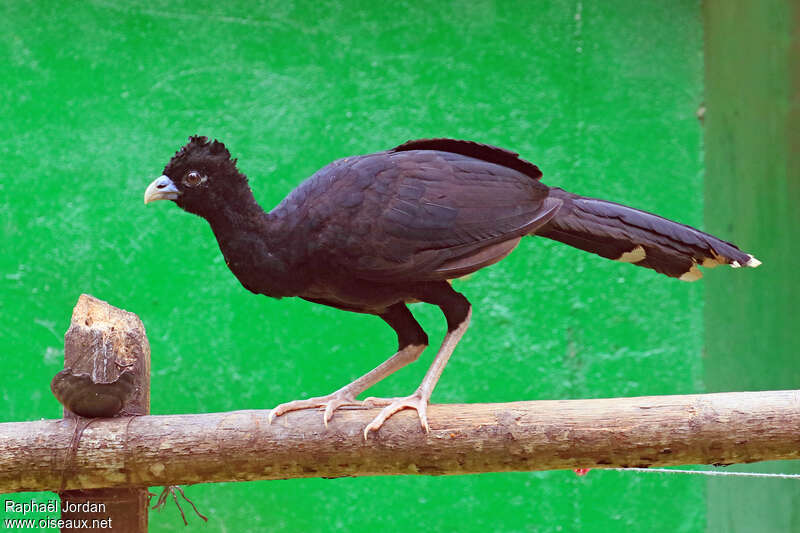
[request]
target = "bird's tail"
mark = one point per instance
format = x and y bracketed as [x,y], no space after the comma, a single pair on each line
[625,234]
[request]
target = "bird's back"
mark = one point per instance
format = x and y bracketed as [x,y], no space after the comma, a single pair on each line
[399,216]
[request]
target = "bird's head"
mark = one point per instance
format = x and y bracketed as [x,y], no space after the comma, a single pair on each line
[201,178]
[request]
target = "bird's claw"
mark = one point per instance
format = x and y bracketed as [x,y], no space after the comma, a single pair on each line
[331,403]
[393,405]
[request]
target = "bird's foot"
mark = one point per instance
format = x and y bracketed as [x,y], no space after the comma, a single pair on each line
[331,403]
[393,405]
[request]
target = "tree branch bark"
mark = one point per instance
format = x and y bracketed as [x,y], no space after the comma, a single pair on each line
[725,428]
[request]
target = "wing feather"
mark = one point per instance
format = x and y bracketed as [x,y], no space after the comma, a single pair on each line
[431,214]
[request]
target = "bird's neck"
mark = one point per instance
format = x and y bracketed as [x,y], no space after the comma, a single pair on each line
[242,216]
[250,241]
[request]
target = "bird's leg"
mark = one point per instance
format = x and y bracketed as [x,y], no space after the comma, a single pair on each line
[458,312]
[419,400]
[347,394]
[412,341]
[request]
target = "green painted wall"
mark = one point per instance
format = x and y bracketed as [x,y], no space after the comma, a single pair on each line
[97,95]
[752,193]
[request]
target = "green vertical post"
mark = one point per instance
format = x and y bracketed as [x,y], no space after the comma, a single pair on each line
[752,189]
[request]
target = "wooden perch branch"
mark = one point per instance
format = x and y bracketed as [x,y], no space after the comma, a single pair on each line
[106,374]
[724,428]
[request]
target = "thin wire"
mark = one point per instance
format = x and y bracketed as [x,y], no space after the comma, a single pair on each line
[708,472]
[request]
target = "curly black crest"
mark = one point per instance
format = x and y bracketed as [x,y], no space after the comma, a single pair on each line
[212,156]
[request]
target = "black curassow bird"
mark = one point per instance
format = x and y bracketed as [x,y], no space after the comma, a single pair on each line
[375,232]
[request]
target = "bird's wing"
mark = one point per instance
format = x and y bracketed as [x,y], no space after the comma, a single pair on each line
[427,214]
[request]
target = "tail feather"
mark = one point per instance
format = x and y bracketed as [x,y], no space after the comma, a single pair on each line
[632,236]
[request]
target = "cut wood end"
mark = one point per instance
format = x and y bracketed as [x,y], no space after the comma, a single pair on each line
[101,343]
[93,312]
[122,332]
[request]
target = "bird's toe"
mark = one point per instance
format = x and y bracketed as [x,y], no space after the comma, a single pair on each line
[330,403]
[394,405]
[372,401]
[336,402]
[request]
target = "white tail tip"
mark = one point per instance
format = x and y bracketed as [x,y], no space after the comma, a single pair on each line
[751,262]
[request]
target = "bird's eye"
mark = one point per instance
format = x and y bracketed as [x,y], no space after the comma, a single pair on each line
[193,178]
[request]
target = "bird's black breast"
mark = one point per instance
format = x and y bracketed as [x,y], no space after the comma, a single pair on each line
[262,262]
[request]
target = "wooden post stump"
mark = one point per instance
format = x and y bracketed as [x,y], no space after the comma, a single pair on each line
[106,374]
